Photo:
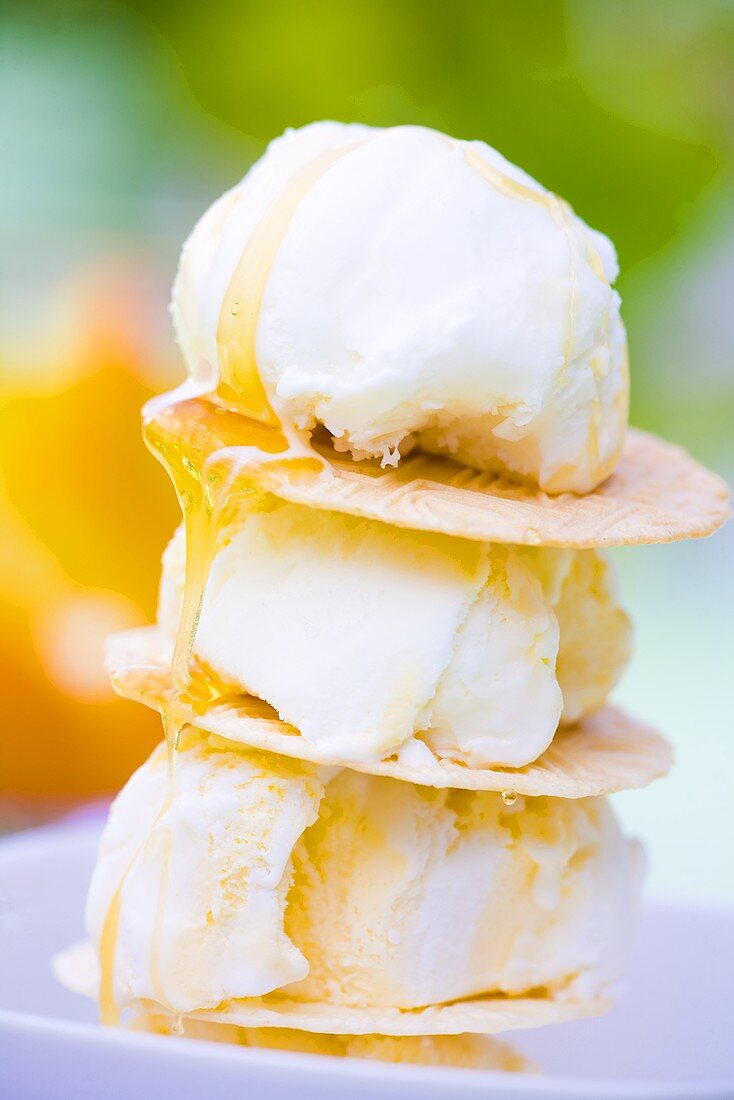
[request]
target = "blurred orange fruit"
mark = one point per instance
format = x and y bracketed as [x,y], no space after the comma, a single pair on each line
[84,514]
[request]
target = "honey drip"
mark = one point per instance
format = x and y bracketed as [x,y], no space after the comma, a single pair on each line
[240,384]
[220,452]
[109,1014]
[109,1011]
[254,443]
[160,914]
[221,463]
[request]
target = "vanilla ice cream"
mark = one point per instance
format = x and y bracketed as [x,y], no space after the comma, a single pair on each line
[205,874]
[407,286]
[363,636]
[264,875]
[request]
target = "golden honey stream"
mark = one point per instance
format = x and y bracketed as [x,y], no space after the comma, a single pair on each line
[219,451]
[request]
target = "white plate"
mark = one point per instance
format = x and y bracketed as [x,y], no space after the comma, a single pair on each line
[670,1037]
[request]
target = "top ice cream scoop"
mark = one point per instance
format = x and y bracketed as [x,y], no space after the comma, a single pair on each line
[400,286]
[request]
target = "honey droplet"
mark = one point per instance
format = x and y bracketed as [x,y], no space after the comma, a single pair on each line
[509,797]
[235,309]
[185,500]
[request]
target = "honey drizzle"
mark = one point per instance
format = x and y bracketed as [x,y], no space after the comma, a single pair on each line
[240,385]
[109,1011]
[210,484]
[109,1014]
[203,507]
[156,980]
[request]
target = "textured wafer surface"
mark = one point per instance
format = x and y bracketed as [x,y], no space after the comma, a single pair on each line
[605,753]
[657,493]
[77,969]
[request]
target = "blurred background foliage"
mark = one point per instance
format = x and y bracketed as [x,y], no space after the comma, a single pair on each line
[121,122]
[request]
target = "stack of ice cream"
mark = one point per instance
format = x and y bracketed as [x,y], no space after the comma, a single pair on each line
[386,635]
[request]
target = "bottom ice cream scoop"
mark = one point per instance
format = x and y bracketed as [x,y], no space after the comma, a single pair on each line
[265,875]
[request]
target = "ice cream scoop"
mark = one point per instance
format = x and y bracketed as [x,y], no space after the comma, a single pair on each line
[397,285]
[263,875]
[362,636]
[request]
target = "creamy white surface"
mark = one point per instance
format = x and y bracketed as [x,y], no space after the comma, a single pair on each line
[361,635]
[397,895]
[410,295]
[204,884]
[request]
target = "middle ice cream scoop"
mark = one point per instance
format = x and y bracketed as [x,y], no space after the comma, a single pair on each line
[372,640]
[266,875]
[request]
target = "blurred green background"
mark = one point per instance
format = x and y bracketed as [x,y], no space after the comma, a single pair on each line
[120,123]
